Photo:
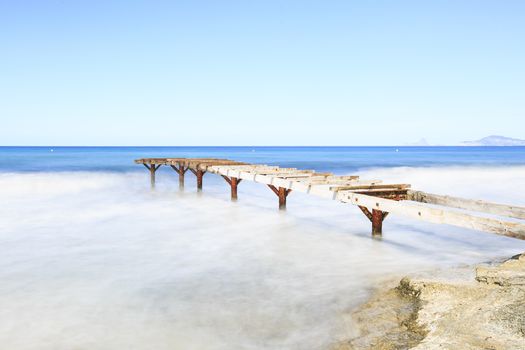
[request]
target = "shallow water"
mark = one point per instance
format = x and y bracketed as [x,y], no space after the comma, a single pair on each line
[95,260]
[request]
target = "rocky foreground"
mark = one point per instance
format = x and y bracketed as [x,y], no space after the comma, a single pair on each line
[452,310]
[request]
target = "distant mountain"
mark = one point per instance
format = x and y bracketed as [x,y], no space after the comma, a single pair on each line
[495,140]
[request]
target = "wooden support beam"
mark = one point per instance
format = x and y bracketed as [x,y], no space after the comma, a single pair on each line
[365,211]
[275,190]
[282,193]
[227,179]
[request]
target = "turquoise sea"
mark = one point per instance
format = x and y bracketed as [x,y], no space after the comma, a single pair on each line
[335,159]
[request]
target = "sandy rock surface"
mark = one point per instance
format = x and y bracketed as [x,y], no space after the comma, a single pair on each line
[447,312]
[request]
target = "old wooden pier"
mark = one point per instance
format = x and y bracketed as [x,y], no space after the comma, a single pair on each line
[375,199]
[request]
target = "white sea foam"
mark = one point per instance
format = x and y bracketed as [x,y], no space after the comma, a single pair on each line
[501,184]
[98,261]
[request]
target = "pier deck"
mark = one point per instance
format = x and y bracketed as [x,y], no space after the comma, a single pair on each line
[373,197]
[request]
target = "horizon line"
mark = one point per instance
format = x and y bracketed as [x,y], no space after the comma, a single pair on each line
[248,146]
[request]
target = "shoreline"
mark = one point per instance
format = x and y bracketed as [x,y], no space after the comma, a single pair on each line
[472,307]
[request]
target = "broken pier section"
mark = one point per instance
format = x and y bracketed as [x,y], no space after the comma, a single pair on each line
[375,199]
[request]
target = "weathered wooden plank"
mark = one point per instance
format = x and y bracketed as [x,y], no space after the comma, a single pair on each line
[281,171]
[349,185]
[468,204]
[293,176]
[247,167]
[175,161]
[151,161]
[344,177]
[206,165]
[284,175]
[331,178]
[374,186]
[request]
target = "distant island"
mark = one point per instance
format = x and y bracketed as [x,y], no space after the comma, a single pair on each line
[494,140]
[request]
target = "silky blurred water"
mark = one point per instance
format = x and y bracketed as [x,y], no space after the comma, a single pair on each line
[91,258]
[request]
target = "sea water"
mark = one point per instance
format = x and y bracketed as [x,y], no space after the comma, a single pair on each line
[92,258]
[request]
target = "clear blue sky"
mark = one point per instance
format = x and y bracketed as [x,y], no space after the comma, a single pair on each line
[76,72]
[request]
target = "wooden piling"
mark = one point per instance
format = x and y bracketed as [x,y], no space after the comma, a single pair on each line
[181,170]
[233,186]
[377,222]
[152,169]
[282,198]
[152,175]
[376,217]
[233,182]
[199,175]
[282,193]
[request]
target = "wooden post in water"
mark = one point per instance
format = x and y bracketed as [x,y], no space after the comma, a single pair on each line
[377,222]
[199,175]
[282,198]
[152,169]
[282,193]
[233,182]
[376,217]
[181,171]
[152,174]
